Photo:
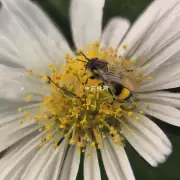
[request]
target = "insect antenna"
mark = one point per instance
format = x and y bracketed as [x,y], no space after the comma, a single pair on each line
[82,60]
[85,56]
[54,82]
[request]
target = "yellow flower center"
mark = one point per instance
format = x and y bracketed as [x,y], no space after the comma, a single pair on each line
[80,108]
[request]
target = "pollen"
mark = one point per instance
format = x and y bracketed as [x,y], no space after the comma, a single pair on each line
[141,112]
[28,98]
[149,78]
[22,121]
[70,110]
[136,118]
[26,114]
[130,113]
[124,46]
[30,70]
[147,106]
[19,109]
[48,136]
[62,126]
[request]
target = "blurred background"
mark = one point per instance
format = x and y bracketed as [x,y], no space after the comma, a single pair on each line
[130,9]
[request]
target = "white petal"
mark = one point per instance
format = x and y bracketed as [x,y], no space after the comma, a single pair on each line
[53,166]
[17,174]
[24,156]
[10,120]
[143,23]
[157,35]
[26,24]
[168,83]
[16,135]
[141,148]
[114,32]
[91,165]
[148,139]
[71,164]
[162,75]
[161,97]
[165,113]
[11,152]
[21,83]
[37,163]
[9,114]
[116,162]
[86,21]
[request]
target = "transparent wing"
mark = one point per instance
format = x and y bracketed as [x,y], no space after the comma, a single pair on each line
[121,79]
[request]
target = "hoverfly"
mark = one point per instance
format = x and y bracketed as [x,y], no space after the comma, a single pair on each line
[120,85]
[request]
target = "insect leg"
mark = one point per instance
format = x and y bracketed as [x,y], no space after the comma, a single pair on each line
[85,69]
[110,91]
[91,77]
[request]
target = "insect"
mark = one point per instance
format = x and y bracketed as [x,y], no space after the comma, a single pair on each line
[64,90]
[94,65]
[121,87]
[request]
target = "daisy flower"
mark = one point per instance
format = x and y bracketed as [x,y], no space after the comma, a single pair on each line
[52,110]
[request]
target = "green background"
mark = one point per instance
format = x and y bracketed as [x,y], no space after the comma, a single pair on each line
[131,9]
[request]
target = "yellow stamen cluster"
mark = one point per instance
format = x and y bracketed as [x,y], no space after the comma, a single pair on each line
[84,117]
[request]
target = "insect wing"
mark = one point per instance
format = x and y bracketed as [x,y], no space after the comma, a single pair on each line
[101,73]
[123,80]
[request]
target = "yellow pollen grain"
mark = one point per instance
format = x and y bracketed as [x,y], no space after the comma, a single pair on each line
[149,78]
[68,56]
[141,74]
[133,61]
[50,65]
[22,121]
[116,139]
[92,145]
[48,136]
[111,50]
[99,146]
[48,127]
[42,140]
[28,98]
[19,109]
[101,126]
[141,112]
[54,145]
[26,114]
[62,126]
[136,118]
[41,145]
[130,113]
[72,141]
[79,144]
[124,46]
[38,117]
[30,70]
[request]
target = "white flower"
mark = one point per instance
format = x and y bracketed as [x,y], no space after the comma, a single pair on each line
[29,41]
